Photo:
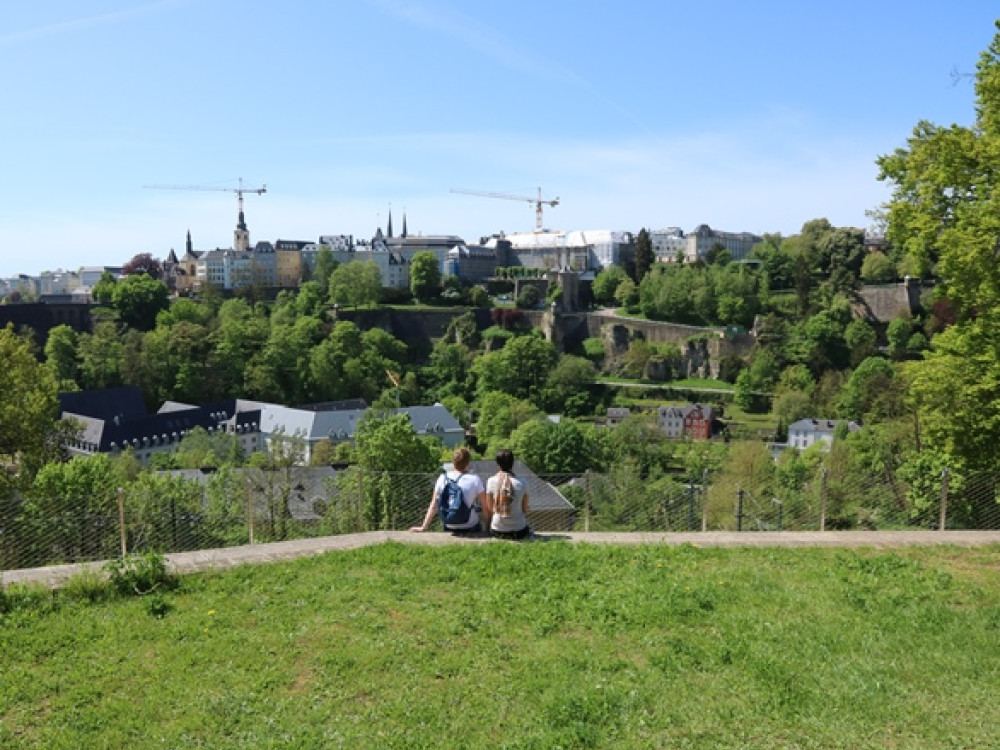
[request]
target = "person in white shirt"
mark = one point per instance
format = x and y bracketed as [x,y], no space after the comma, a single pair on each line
[506,505]
[473,493]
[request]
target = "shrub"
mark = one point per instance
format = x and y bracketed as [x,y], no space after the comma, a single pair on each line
[139,574]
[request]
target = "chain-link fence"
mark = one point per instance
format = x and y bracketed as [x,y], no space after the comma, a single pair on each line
[191,511]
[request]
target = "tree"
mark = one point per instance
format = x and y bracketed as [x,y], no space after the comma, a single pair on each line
[898,333]
[200,448]
[521,368]
[355,284]
[500,414]
[529,297]
[101,356]
[60,355]
[138,300]
[425,275]
[606,284]
[627,294]
[567,389]
[551,447]
[309,300]
[143,263]
[450,370]
[325,265]
[874,391]
[104,288]
[644,255]
[877,268]
[861,340]
[388,446]
[29,410]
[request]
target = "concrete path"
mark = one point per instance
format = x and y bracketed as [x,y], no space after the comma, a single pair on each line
[217,559]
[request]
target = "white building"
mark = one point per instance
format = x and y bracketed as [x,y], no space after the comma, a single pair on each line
[580,250]
[704,238]
[667,243]
[807,432]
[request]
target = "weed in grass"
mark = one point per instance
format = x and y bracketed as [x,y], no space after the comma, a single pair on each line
[157,605]
[88,585]
[139,574]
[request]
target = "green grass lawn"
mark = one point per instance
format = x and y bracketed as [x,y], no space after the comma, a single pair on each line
[539,645]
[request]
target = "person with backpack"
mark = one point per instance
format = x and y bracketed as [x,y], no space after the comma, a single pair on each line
[457,495]
[507,501]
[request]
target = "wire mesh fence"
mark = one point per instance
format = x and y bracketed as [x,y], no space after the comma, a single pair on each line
[237,507]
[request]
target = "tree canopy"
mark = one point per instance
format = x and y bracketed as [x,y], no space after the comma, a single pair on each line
[944,214]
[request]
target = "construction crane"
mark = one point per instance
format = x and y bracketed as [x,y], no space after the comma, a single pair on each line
[539,201]
[238,190]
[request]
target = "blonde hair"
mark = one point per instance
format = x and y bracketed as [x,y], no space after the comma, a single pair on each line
[461,459]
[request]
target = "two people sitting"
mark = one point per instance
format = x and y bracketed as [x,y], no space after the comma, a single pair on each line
[503,500]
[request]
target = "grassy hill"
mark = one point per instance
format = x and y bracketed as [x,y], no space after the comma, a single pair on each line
[522,646]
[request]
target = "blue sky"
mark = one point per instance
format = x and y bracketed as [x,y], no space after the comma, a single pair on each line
[746,116]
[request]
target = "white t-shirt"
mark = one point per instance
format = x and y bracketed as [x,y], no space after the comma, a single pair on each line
[472,487]
[516,521]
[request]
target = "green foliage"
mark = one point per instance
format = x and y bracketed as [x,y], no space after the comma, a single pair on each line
[200,448]
[425,276]
[898,333]
[391,444]
[873,391]
[60,353]
[644,255]
[139,299]
[861,340]
[529,298]
[593,349]
[103,290]
[325,266]
[878,269]
[552,447]
[500,414]
[101,356]
[606,284]
[138,575]
[568,387]
[355,284]
[521,368]
[29,408]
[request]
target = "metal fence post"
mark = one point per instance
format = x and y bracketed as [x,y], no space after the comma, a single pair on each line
[739,509]
[250,509]
[586,500]
[361,499]
[943,519]
[822,501]
[691,504]
[121,521]
[704,500]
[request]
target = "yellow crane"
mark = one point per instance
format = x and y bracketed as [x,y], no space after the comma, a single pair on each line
[538,200]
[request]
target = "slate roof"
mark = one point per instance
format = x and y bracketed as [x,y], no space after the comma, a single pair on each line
[124,402]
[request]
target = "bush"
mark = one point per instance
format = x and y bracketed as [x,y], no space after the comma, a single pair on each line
[139,574]
[528,298]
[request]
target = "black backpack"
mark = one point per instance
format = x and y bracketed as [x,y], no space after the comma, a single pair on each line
[451,503]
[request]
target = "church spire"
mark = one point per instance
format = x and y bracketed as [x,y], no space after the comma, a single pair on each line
[187,245]
[404,225]
[389,228]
